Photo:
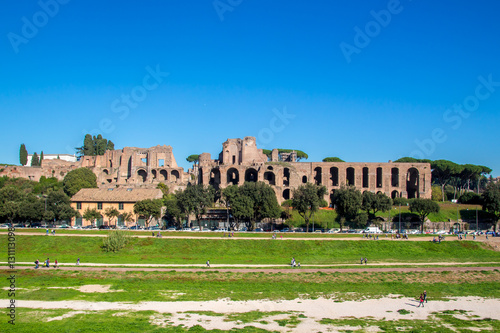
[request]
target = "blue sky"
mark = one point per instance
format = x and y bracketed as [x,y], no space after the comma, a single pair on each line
[367,81]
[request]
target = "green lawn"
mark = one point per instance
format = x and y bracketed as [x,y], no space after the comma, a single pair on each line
[242,251]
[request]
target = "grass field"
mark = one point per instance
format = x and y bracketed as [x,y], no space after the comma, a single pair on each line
[137,286]
[243,251]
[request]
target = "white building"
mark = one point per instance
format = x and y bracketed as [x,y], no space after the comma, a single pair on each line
[64,157]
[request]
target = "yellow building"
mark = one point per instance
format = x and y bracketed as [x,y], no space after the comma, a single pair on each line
[122,199]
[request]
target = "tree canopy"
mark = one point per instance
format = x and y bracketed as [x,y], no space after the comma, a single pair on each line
[306,200]
[373,203]
[196,199]
[35,160]
[491,200]
[423,207]
[333,159]
[193,158]
[149,209]
[412,160]
[23,155]
[77,179]
[347,202]
[94,145]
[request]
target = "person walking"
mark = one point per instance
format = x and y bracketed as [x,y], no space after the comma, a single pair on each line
[55,263]
[366,261]
[47,262]
[208,263]
[37,262]
[361,261]
[47,232]
[78,261]
[421,301]
[425,296]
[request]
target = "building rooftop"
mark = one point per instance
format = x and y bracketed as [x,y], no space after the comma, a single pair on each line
[116,194]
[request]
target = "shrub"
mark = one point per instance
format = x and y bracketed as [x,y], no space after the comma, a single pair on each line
[400,201]
[115,241]
[470,198]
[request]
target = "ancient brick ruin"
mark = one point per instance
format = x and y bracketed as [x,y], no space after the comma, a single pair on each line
[239,161]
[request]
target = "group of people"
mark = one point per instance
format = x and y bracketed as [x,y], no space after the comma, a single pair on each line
[53,232]
[363,260]
[399,236]
[46,263]
[293,263]
[422,299]
[375,237]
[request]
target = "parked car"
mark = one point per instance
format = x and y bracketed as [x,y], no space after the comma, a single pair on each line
[172,229]
[64,226]
[187,229]
[259,230]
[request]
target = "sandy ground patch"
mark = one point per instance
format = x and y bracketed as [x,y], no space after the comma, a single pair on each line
[90,288]
[310,311]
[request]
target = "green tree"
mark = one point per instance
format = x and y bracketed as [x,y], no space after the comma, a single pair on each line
[111,213]
[23,155]
[423,207]
[100,145]
[77,179]
[110,145]
[347,202]
[264,202]
[31,209]
[333,159]
[306,200]
[411,160]
[148,208]
[436,193]
[193,158]
[41,158]
[164,189]
[88,146]
[60,205]
[197,198]
[173,211]
[373,203]
[10,202]
[443,171]
[240,204]
[127,217]
[35,161]
[91,215]
[491,201]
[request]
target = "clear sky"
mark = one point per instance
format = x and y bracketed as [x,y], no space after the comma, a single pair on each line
[367,81]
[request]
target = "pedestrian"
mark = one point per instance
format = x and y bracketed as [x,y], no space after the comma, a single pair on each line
[208,263]
[366,260]
[78,261]
[421,301]
[47,262]
[53,232]
[361,261]
[47,232]
[292,263]
[37,262]
[298,265]
[55,263]
[425,296]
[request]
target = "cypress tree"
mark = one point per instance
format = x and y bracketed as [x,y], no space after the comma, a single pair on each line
[41,158]
[111,145]
[34,160]
[88,146]
[23,155]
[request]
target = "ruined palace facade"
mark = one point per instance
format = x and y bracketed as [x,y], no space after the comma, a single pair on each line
[241,161]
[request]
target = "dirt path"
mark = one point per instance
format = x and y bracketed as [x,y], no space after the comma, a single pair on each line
[440,267]
[312,311]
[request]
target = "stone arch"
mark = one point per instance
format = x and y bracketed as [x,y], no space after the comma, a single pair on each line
[286,177]
[394,194]
[233,176]
[270,168]
[412,183]
[251,175]
[269,178]
[350,176]
[379,177]
[395,177]
[334,176]
[154,173]
[163,175]
[214,177]
[304,179]
[317,175]
[286,194]
[380,192]
[174,175]
[366,178]
[105,171]
[142,175]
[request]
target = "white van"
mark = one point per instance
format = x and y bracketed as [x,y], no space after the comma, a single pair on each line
[372,230]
